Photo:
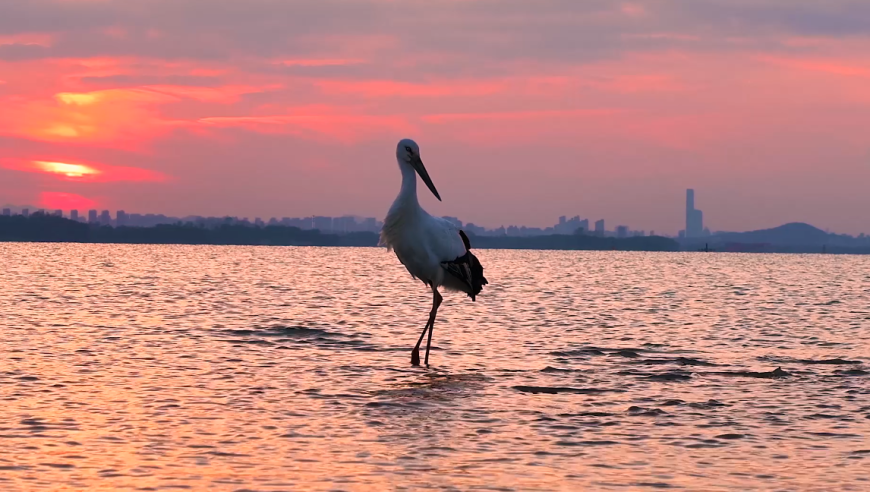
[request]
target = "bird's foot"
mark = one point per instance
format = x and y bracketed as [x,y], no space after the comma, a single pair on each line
[415,357]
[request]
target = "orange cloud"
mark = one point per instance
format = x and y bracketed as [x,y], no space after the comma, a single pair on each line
[65,201]
[83,172]
[117,117]
[110,116]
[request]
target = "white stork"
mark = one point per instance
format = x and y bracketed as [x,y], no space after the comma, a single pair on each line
[432,249]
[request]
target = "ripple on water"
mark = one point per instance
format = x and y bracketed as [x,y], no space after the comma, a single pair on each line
[260,368]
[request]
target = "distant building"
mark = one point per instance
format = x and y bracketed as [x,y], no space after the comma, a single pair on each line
[453,220]
[343,224]
[92,216]
[25,212]
[323,224]
[474,229]
[120,218]
[58,213]
[621,231]
[259,222]
[599,227]
[7,212]
[570,226]
[105,218]
[74,215]
[304,223]
[370,224]
[694,217]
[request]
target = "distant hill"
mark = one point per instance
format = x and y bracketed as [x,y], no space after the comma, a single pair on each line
[788,234]
[795,237]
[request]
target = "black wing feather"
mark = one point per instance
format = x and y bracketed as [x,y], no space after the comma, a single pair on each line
[468,269]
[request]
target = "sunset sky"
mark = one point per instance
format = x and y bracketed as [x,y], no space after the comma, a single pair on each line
[524,110]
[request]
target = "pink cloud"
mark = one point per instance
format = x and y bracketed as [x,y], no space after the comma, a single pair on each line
[65,201]
[632,9]
[316,123]
[835,67]
[392,88]
[319,62]
[35,38]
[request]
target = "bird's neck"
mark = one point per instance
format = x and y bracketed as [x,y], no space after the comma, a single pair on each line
[408,193]
[405,207]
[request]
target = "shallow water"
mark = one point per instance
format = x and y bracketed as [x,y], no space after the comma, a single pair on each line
[263,368]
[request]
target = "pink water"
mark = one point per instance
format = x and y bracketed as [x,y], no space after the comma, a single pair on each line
[262,368]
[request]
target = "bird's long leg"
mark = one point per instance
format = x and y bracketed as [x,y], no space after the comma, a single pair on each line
[436,301]
[415,354]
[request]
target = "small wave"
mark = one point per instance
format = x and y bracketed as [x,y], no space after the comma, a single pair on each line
[552,390]
[774,374]
[789,360]
[681,361]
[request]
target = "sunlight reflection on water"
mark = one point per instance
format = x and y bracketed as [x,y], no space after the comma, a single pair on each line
[263,368]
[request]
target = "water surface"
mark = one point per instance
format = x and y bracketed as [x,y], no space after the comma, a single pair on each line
[130,367]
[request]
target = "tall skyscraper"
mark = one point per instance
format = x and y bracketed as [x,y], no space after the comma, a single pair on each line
[92,216]
[7,212]
[694,217]
[25,212]
[621,231]
[105,218]
[58,213]
[120,218]
[599,227]
[74,215]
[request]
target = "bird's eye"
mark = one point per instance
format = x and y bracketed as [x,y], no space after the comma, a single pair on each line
[409,149]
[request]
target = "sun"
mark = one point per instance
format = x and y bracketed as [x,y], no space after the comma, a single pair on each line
[66,169]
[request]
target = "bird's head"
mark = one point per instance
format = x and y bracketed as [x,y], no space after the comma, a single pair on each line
[408,153]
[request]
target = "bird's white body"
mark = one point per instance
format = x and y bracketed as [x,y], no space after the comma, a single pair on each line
[432,249]
[421,242]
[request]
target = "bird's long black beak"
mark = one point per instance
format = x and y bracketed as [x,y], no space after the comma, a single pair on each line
[421,170]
